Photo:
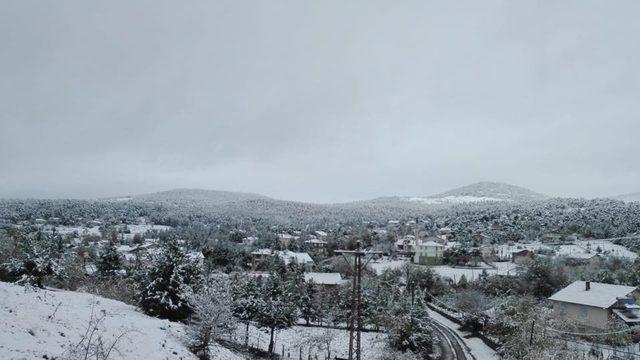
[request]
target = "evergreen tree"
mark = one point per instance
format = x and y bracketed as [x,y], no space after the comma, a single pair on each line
[543,277]
[163,293]
[109,261]
[38,257]
[275,308]
[309,305]
[410,328]
[246,301]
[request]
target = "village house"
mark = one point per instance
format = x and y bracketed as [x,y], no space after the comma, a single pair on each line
[300,258]
[446,232]
[285,239]
[518,257]
[326,280]
[316,245]
[428,253]
[406,245]
[590,304]
[260,258]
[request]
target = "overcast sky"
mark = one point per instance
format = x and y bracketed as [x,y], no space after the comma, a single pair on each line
[318,101]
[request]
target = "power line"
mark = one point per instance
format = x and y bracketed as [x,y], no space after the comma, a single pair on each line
[355,321]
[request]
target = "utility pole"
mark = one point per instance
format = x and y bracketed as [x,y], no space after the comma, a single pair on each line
[355,320]
[533,323]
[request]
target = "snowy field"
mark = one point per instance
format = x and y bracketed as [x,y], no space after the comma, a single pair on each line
[581,249]
[373,344]
[380,266]
[608,248]
[35,323]
[455,273]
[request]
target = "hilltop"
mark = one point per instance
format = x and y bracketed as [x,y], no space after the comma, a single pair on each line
[495,191]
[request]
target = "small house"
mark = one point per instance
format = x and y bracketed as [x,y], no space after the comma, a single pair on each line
[518,257]
[590,304]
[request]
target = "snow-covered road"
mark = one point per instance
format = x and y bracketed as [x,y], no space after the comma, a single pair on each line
[472,347]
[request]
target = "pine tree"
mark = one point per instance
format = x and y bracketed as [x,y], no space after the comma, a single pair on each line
[246,302]
[410,328]
[309,305]
[163,293]
[38,257]
[109,261]
[275,309]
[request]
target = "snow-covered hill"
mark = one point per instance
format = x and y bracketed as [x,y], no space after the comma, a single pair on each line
[487,191]
[629,197]
[207,197]
[452,199]
[43,324]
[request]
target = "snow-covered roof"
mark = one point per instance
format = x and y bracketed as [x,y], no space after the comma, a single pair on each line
[261,252]
[315,241]
[600,295]
[195,255]
[321,233]
[431,243]
[324,278]
[125,248]
[406,241]
[300,257]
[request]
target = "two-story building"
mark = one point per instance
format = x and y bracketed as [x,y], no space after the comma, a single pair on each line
[428,253]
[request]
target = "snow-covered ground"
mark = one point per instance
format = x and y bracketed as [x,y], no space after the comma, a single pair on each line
[373,344]
[581,249]
[379,266]
[35,323]
[454,273]
[608,248]
[80,230]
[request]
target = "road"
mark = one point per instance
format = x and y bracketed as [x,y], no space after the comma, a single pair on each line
[450,346]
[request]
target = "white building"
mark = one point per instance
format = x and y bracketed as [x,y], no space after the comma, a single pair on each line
[428,253]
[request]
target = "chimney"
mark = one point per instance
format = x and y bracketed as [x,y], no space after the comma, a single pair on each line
[587,285]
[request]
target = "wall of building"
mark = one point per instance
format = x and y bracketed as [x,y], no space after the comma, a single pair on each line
[588,316]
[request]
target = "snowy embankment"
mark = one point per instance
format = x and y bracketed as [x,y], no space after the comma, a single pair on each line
[37,324]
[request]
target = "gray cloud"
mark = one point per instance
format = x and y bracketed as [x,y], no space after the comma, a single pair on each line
[318,101]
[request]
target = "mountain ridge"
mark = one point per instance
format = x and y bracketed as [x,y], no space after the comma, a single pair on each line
[480,191]
[494,190]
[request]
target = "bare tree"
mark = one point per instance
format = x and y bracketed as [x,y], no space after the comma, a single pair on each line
[93,343]
[212,314]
